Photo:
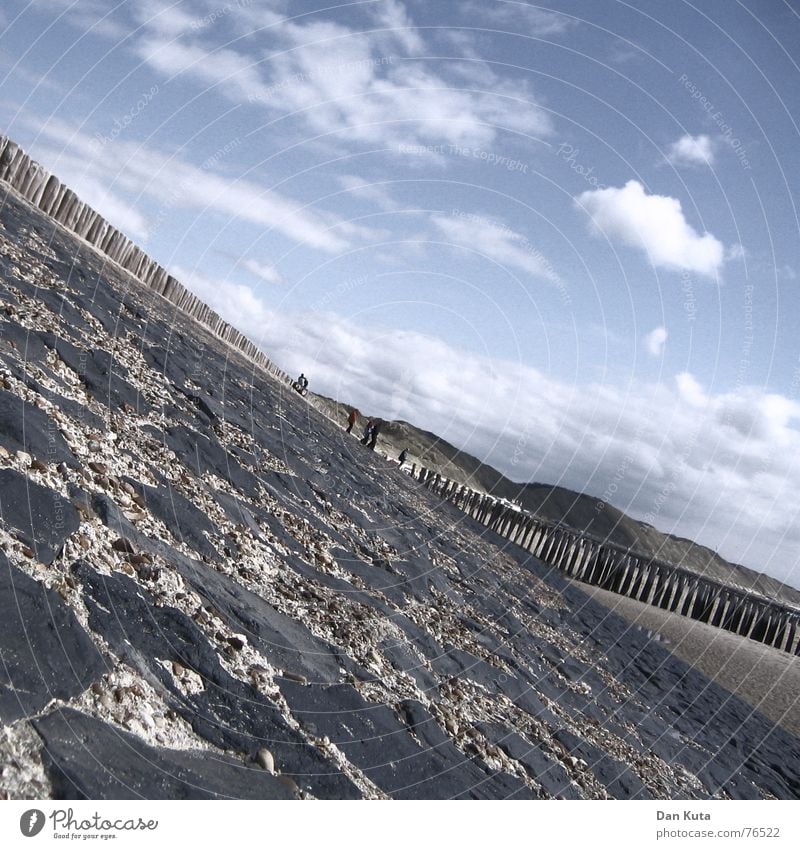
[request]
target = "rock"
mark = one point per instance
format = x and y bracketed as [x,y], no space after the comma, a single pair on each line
[291,784]
[123,545]
[27,429]
[236,642]
[38,466]
[74,745]
[138,560]
[98,468]
[46,654]
[265,760]
[42,518]
[24,459]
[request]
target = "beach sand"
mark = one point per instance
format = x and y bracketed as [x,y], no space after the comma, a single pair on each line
[764,677]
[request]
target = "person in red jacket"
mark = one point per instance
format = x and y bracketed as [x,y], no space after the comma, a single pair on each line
[352,419]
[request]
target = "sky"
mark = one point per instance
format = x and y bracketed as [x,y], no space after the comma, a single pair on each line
[564,237]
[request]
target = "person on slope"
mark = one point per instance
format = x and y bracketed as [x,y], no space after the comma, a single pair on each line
[373,437]
[402,457]
[352,419]
[301,384]
[367,432]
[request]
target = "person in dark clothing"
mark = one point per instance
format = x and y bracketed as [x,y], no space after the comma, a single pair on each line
[352,419]
[403,456]
[301,385]
[367,432]
[373,437]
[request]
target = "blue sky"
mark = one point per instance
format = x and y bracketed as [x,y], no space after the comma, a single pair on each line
[563,237]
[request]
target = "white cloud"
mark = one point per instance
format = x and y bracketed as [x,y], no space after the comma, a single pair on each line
[655,224]
[691,150]
[497,242]
[654,341]
[524,17]
[363,189]
[354,85]
[266,272]
[690,390]
[392,14]
[236,75]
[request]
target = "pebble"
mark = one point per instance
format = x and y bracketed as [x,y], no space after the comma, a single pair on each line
[137,560]
[291,784]
[257,671]
[4,453]
[24,458]
[293,676]
[98,468]
[123,545]
[38,465]
[265,760]
[149,573]
[112,564]
[451,725]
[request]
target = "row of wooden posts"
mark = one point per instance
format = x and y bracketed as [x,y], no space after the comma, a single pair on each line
[40,188]
[620,570]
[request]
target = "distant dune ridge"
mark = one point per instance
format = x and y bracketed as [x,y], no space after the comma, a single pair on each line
[573,509]
[214,592]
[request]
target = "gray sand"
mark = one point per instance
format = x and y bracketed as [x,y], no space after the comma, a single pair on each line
[764,677]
